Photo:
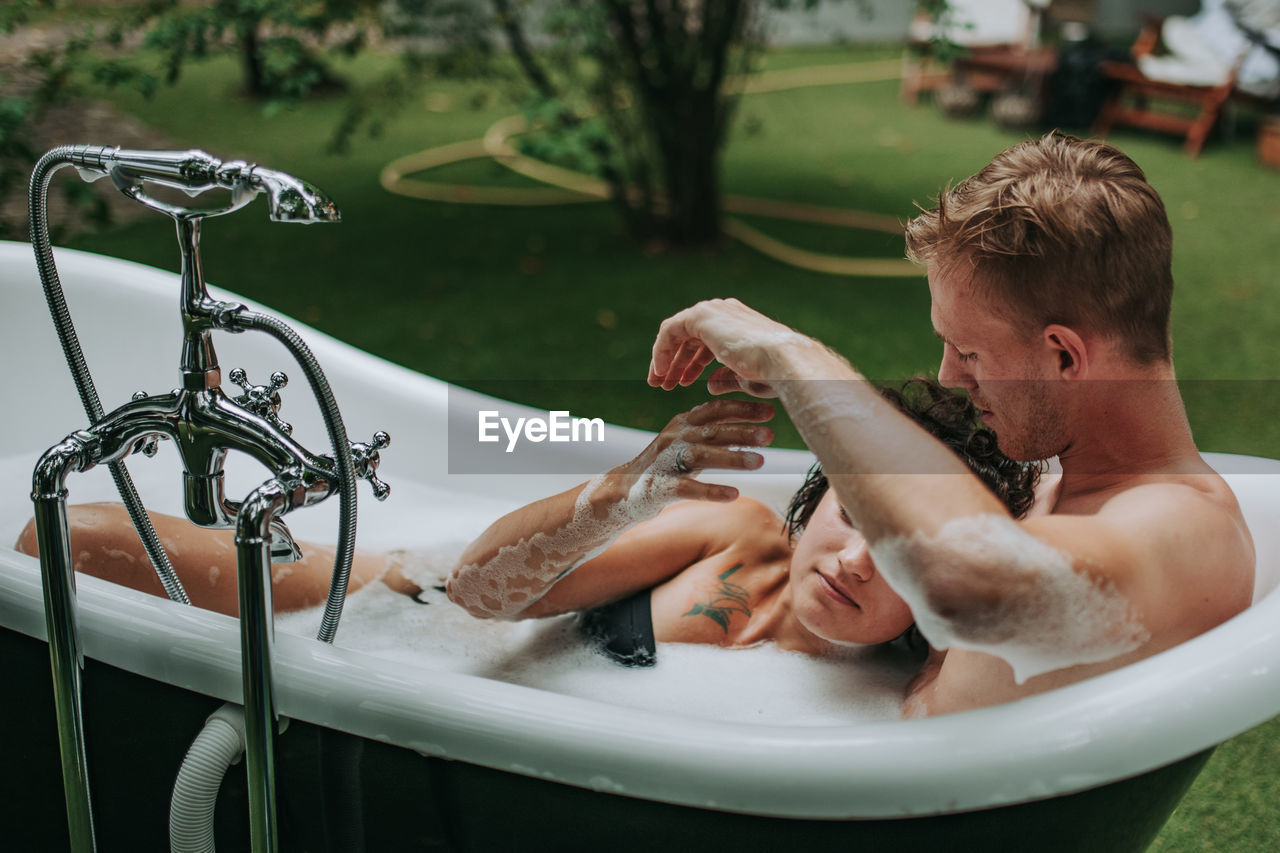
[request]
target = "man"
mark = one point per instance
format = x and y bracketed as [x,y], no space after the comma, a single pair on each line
[1050,277]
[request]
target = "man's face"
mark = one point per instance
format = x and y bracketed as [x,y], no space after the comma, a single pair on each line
[1010,375]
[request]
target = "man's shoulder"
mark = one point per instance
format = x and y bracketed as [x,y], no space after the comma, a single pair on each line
[1162,497]
[1151,534]
[1189,540]
[1200,499]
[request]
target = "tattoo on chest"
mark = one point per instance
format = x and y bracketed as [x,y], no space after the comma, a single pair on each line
[727,599]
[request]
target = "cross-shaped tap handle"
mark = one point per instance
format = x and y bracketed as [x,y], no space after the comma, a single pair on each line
[262,400]
[366,460]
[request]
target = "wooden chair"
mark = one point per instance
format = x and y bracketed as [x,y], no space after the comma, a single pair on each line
[1136,99]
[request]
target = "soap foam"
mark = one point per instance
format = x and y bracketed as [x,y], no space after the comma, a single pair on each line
[762,684]
[504,585]
[1055,618]
[827,402]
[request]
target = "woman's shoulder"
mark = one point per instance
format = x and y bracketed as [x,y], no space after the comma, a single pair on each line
[743,521]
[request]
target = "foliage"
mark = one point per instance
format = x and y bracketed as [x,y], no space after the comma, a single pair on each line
[940,44]
[22,103]
[279,44]
[633,91]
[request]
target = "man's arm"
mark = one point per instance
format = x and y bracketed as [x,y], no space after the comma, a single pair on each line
[864,443]
[1066,589]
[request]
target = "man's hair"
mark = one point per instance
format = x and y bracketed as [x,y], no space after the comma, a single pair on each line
[1060,230]
[952,419]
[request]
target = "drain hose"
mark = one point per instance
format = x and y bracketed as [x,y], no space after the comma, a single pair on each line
[39,217]
[195,792]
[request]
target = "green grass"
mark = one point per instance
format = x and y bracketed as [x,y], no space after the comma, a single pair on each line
[412,292]
[556,307]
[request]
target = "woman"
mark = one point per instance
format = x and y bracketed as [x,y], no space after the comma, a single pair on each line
[649,552]
[713,568]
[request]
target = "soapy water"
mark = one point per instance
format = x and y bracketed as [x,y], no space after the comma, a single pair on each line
[521,573]
[1055,617]
[762,684]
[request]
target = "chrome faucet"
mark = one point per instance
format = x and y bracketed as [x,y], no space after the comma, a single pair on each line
[204,423]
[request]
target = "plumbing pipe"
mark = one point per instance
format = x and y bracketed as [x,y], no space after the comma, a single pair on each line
[195,792]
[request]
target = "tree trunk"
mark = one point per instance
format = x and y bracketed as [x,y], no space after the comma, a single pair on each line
[689,146]
[255,84]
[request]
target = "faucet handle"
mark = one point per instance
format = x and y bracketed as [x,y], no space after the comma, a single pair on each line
[262,400]
[149,446]
[366,459]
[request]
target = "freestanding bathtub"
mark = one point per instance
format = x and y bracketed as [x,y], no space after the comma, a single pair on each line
[393,756]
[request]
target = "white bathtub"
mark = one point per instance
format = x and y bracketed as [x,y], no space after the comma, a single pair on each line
[775,780]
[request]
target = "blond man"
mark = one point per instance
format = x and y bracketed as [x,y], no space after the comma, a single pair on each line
[1051,285]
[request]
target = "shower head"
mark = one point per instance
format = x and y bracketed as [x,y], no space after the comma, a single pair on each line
[289,199]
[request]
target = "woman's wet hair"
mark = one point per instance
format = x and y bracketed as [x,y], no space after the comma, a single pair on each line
[949,417]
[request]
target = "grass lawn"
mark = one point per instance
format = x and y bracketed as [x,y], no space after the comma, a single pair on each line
[555,307]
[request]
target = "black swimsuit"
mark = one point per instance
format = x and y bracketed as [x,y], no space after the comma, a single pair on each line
[622,630]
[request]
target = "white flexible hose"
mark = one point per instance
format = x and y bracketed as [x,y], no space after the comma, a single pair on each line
[195,792]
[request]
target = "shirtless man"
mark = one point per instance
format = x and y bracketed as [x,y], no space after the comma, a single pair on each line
[1050,277]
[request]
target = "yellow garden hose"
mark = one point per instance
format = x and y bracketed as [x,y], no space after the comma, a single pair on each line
[570,187]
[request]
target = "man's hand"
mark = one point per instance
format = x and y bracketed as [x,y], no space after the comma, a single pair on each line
[745,341]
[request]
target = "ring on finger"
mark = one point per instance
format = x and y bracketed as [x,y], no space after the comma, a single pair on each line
[682,464]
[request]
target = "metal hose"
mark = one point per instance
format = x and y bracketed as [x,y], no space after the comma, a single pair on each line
[346,472]
[38,213]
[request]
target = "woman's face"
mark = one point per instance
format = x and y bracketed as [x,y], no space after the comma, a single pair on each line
[836,591]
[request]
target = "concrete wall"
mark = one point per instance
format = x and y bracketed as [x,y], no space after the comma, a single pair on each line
[886,20]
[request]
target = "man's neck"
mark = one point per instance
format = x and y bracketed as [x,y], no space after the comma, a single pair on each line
[1129,427]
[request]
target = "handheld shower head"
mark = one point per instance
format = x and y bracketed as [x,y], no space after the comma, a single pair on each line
[289,199]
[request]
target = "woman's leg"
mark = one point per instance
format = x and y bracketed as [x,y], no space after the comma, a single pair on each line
[105,545]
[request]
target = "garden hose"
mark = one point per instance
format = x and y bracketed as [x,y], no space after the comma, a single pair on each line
[570,187]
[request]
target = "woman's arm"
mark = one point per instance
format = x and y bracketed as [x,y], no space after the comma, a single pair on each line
[512,566]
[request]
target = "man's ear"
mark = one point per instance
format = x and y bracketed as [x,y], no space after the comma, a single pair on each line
[1071,351]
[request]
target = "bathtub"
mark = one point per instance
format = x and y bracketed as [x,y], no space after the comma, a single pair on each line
[384,756]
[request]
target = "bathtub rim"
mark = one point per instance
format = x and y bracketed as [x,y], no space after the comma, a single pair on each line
[1084,734]
[1115,726]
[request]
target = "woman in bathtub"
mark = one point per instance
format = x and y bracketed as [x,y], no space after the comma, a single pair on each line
[646,551]
[675,559]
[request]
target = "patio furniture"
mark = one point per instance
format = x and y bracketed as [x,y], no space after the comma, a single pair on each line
[1172,102]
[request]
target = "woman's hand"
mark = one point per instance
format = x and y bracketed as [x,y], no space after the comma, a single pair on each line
[528,551]
[711,435]
[742,339]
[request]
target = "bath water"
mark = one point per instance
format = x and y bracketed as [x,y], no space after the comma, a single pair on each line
[761,684]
